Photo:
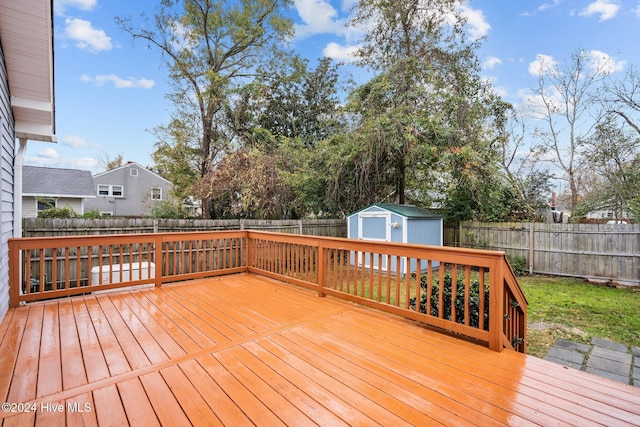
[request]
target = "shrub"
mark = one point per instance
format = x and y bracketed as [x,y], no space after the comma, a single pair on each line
[518,264]
[65,212]
[474,300]
[93,214]
[167,209]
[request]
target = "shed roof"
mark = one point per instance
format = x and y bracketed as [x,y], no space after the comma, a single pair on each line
[53,182]
[408,211]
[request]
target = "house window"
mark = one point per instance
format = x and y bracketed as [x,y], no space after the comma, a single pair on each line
[106,213]
[156,193]
[45,203]
[110,190]
[134,172]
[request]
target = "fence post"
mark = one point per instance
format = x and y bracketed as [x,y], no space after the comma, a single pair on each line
[531,247]
[496,304]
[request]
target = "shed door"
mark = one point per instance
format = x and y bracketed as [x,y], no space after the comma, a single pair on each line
[373,226]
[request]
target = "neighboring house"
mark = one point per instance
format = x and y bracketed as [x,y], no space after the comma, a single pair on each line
[26,108]
[130,190]
[44,188]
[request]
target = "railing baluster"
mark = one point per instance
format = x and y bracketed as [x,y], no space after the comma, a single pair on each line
[334,267]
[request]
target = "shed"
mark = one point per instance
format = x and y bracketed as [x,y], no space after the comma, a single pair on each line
[395,223]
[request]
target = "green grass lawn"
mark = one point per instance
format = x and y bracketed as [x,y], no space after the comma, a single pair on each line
[576,310]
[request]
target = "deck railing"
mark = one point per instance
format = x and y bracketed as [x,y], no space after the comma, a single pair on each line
[473,293]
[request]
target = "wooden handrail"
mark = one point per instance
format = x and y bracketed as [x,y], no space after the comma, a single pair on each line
[469,292]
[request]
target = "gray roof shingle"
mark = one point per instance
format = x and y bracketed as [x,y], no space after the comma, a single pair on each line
[53,182]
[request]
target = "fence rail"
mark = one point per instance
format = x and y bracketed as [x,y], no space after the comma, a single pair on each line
[600,252]
[473,293]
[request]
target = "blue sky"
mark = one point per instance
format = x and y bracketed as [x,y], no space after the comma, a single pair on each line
[111,92]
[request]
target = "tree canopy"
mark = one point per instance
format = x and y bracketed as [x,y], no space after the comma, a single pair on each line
[259,132]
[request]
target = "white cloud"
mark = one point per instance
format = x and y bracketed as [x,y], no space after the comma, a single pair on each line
[60,6]
[48,153]
[118,82]
[491,62]
[476,22]
[347,5]
[607,9]
[319,17]
[604,62]
[86,36]
[544,64]
[340,53]
[546,6]
[76,141]
[535,106]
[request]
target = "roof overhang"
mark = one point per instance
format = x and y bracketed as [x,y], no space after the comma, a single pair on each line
[26,34]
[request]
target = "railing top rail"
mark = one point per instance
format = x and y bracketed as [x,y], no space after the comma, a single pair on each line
[347,243]
[511,280]
[178,235]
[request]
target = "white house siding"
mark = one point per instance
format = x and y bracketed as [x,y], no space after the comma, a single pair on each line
[7,150]
[29,207]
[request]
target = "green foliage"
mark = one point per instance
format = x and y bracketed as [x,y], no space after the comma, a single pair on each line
[65,212]
[474,300]
[219,47]
[580,308]
[167,209]
[93,214]
[518,264]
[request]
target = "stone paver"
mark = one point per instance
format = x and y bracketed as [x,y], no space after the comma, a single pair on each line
[617,368]
[570,345]
[614,355]
[601,357]
[609,344]
[566,355]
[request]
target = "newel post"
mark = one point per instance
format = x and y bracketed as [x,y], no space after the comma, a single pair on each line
[496,304]
[321,269]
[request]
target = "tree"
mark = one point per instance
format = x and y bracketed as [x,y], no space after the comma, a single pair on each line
[613,154]
[251,182]
[423,118]
[108,163]
[208,47]
[521,165]
[301,103]
[623,98]
[567,95]
[177,156]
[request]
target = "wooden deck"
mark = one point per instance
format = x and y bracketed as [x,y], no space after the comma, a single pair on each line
[247,350]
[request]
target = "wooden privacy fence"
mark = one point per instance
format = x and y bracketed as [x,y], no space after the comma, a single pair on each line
[473,293]
[45,227]
[601,252]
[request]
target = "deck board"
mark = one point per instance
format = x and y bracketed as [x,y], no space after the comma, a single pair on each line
[246,350]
